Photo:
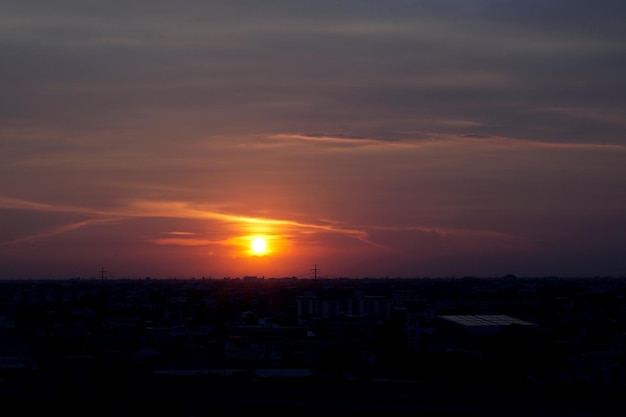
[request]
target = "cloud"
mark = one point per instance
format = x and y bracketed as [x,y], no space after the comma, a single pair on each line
[611,115]
[16,203]
[177,210]
[181,242]
[334,139]
[316,121]
[180,233]
[450,233]
[183,210]
[435,140]
[60,230]
[474,136]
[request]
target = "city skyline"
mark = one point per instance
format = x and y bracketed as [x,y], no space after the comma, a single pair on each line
[369,138]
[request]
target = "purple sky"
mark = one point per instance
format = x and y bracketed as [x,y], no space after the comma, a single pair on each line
[370,138]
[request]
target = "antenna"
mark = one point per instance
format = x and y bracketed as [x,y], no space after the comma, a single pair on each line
[315,269]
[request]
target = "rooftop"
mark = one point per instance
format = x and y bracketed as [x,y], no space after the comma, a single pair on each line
[485,323]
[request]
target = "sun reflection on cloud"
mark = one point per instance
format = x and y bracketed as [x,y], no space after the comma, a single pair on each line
[236,232]
[233,232]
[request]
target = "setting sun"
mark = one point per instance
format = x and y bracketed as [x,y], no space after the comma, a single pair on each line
[259,246]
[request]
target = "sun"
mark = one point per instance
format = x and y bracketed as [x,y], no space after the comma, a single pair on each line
[259,246]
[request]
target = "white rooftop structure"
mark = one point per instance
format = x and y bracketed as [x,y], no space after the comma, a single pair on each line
[485,323]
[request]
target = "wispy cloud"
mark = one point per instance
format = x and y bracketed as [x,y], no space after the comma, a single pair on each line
[613,116]
[191,211]
[175,210]
[426,139]
[354,126]
[455,233]
[21,204]
[66,228]
[334,139]
[182,242]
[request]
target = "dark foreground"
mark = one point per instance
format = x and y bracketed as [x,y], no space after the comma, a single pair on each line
[176,396]
[108,348]
[393,400]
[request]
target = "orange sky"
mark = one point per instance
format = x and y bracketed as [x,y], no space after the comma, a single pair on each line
[367,138]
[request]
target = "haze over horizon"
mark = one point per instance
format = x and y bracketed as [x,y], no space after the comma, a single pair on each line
[396,138]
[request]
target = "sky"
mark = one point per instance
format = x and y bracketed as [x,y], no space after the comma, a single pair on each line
[358,138]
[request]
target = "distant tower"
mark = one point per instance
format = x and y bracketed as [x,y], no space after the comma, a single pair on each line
[102,273]
[315,270]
